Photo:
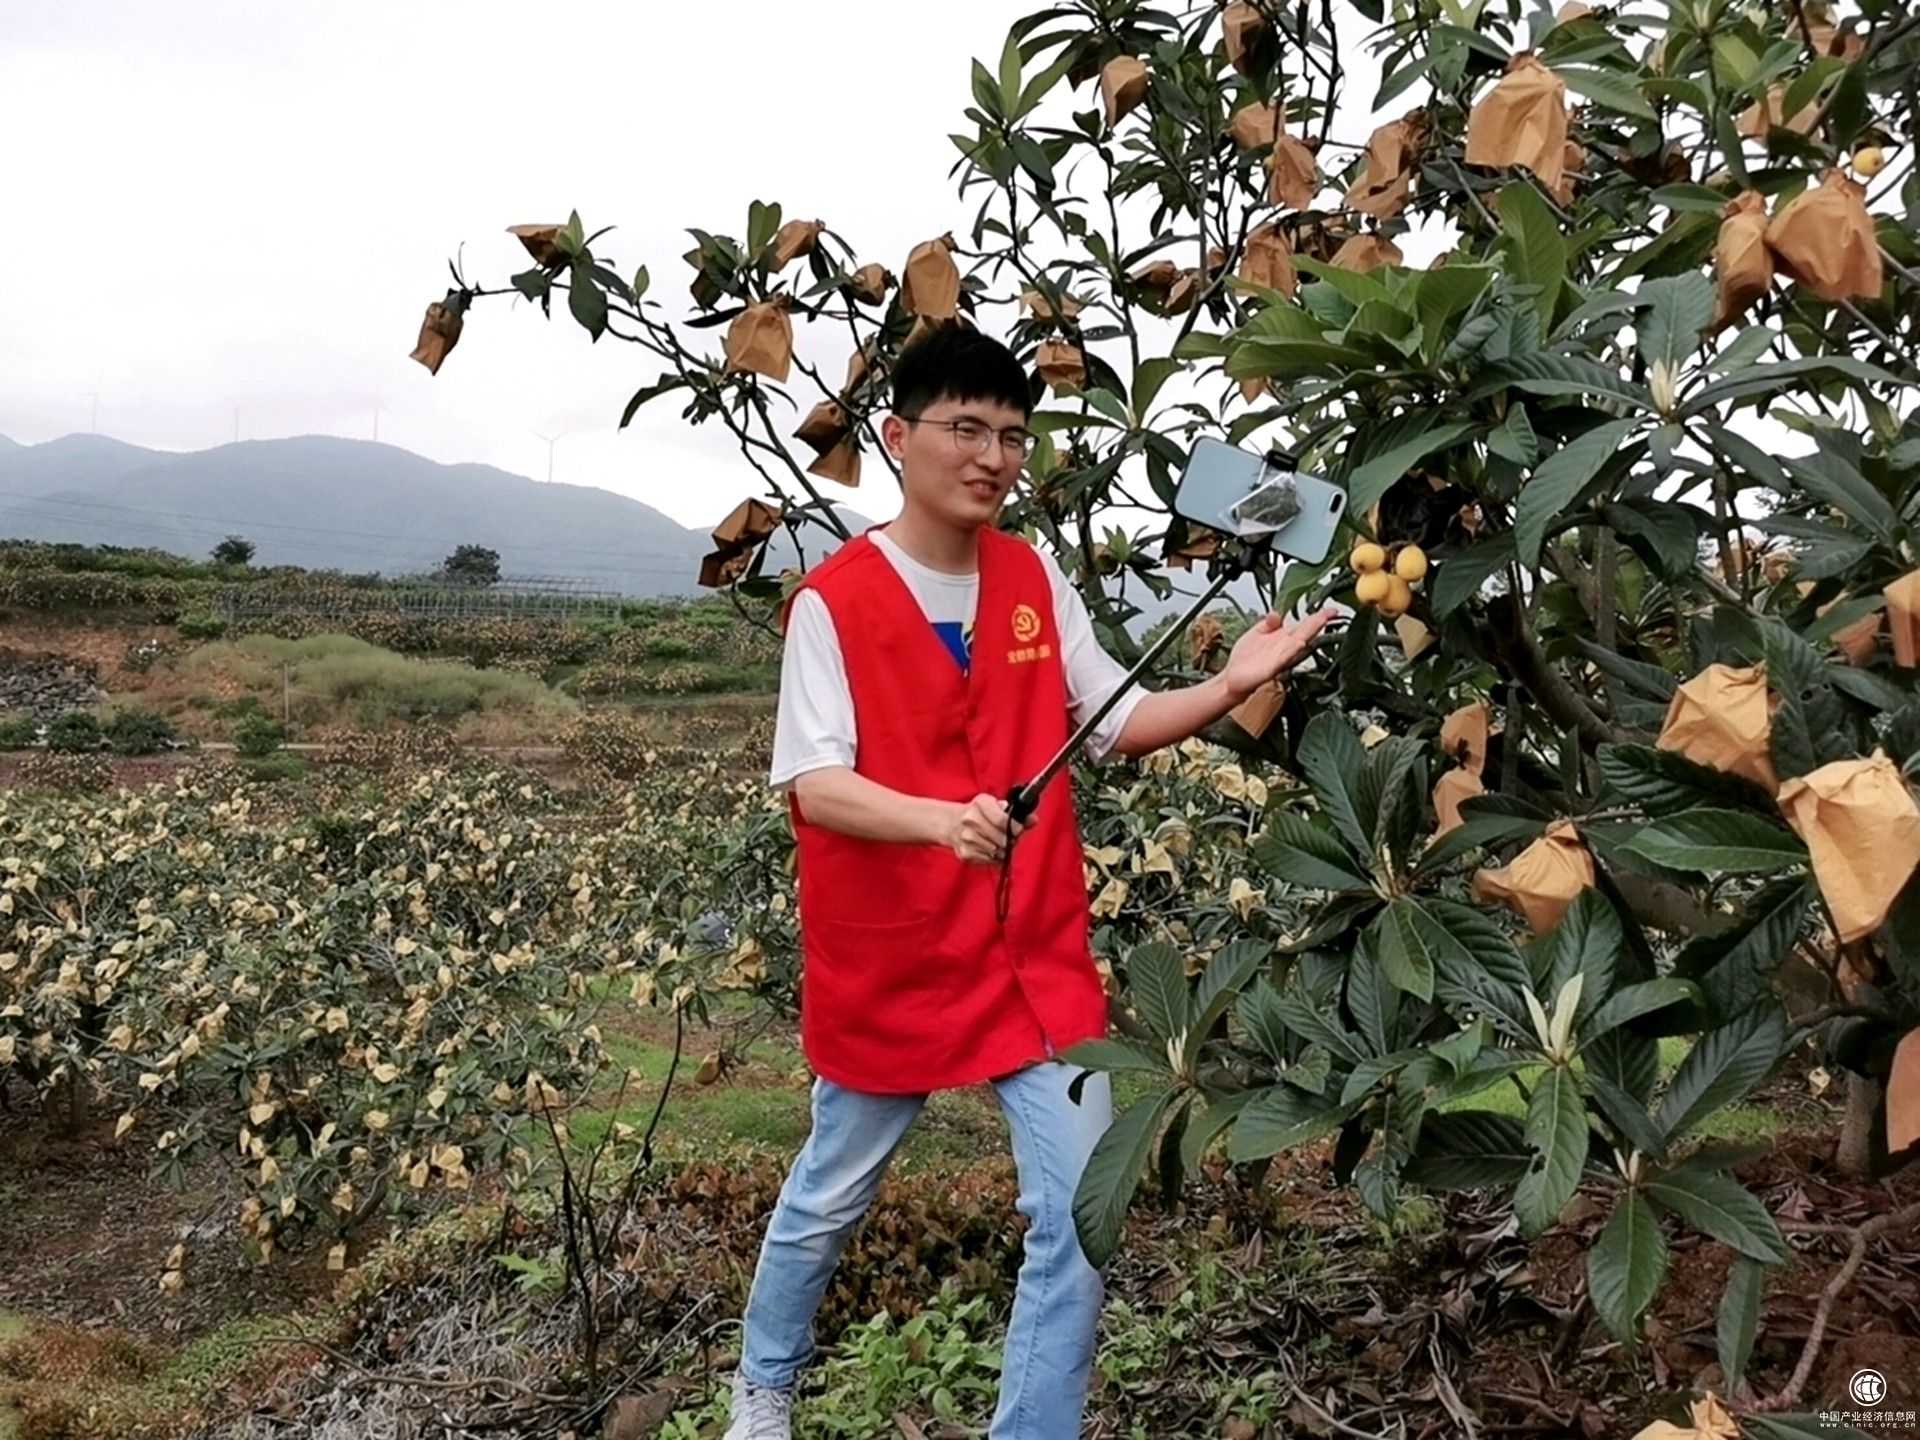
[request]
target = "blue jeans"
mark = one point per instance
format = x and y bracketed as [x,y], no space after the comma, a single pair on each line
[1056,1309]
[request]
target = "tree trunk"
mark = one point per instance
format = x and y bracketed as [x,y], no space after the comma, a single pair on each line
[1854,1155]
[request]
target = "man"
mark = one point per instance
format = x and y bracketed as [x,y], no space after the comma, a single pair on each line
[931,665]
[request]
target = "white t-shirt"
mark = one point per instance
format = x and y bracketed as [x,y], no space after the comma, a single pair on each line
[815,726]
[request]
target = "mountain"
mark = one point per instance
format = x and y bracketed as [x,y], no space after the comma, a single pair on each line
[326,503]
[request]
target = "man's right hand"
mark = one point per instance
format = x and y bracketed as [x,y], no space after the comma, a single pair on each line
[978,833]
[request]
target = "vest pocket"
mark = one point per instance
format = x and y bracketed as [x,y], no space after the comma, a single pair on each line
[881,963]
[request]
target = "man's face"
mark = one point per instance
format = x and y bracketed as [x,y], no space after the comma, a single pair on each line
[946,471]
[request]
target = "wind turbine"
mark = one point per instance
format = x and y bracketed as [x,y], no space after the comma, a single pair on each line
[551,439]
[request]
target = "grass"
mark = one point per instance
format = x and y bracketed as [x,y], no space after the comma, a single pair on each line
[336,679]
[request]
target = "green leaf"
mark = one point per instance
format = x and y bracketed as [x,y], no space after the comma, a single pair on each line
[1372,478]
[1147,380]
[1469,1150]
[1009,76]
[1722,1209]
[1477,967]
[1586,942]
[1301,853]
[1111,1055]
[1441,294]
[1607,88]
[1226,975]
[1781,376]
[1282,1118]
[1831,477]
[586,300]
[1515,440]
[1723,1066]
[1679,309]
[1474,831]
[1556,1131]
[1567,376]
[1205,1127]
[1395,938]
[1157,983]
[1630,1002]
[1538,248]
[1663,782]
[1113,1174]
[1330,758]
[1558,481]
[1626,1265]
[1460,577]
[1719,842]
[1735,968]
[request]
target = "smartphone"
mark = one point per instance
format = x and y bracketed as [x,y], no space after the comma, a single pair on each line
[1239,493]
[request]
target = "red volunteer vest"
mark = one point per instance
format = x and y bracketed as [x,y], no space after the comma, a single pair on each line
[908,981]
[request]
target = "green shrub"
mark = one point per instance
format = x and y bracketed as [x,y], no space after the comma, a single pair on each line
[199,625]
[668,647]
[17,732]
[257,735]
[73,731]
[134,731]
[276,767]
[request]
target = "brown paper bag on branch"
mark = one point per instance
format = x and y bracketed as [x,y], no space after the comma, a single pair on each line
[1159,275]
[539,242]
[1903,1095]
[1522,120]
[1415,638]
[1293,179]
[1201,545]
[1257,712]
[1573,167]
[869,284]
[1742,264]
[931,288]
[794,239]
[1571,11]
[1903,618]
[1243,26]
[1861,825]
[1723,718]
[1204,641]
[1186,289]
[746,525]
[841,463]
[1268,261]
[1385,181]
[1367,251]
[1543,879]
[826,426]
[1061,365]
[723,567]
[1824,238]
[1464,735]
[1041,308]
[760,340]
[1255,125]
[1763,115]
[1450,791]
[1123,85]
[440,331]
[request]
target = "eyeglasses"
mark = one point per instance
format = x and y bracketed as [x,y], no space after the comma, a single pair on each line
[972,437]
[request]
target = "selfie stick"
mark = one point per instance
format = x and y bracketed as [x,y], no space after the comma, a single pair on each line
[1025,799]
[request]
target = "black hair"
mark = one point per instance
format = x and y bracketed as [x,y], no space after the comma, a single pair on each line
[957,362]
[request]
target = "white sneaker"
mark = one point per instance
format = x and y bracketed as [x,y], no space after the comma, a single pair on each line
[759,1413]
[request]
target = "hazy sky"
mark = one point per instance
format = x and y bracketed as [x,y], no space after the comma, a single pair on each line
[248,203]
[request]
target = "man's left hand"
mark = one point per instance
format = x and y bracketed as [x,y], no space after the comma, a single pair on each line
[1271,646]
